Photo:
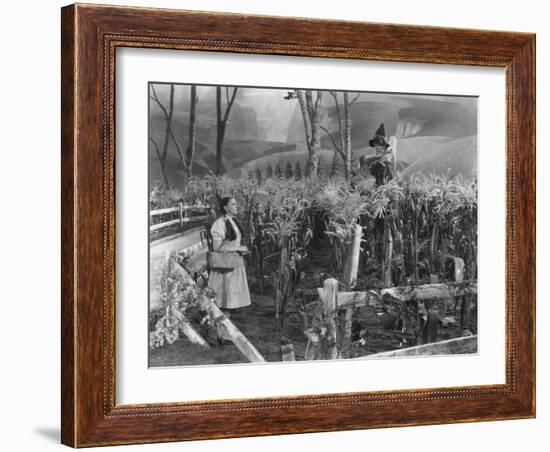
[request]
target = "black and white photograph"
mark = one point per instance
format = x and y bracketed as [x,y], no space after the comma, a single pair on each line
[292,224]
[250,226]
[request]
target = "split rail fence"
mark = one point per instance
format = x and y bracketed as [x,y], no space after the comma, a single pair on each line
[178,215]
[416,309]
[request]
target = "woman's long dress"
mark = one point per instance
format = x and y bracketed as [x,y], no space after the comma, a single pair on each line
[231,287]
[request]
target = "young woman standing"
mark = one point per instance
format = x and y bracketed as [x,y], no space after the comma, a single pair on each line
[231,287]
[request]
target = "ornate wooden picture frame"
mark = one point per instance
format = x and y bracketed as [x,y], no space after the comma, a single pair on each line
[90,37]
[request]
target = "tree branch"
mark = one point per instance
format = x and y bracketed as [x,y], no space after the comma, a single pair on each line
[157,149]
[179,148]
[318,100]
[355,98]
[168,116]
[333,141]
[230,103]
[317,110]
[156,99]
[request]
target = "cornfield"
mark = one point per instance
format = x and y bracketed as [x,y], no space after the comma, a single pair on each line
[282,216]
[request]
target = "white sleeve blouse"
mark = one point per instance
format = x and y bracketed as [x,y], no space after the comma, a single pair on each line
[218,229]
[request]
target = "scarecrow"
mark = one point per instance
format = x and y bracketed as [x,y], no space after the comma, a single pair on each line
[381,164]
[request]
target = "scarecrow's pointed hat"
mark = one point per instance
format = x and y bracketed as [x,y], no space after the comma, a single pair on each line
[379,137]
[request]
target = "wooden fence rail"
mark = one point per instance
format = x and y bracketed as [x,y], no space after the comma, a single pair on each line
[466,344]
[225,327]
[338,308]
[406,293]
[182,216]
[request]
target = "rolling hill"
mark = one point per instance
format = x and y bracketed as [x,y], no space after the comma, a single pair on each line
[434,133]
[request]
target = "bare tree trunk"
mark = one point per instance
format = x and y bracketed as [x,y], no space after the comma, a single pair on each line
[220,130]
[338,150]
[344,130]
[161,165]
[168,128]
[222,122]
[313,158]
[347,134]
[311,114]
[168,113]
[307,122]
[190,152]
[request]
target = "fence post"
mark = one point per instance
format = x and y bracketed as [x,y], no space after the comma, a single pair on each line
[229,331]
[345,319]
[181,213]
[330,294]
[393,146]
[432,325]
[281,287]
[187,328]
[352,258]
[465,311]
[388,241]
[312,347]
[287,350]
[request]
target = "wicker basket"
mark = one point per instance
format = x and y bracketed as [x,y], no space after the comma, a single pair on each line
[223,261]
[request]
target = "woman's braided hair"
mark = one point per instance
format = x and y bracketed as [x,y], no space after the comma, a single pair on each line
[230,234]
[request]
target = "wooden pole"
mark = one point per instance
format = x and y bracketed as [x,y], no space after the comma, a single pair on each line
[186,328]
[287,350]
[329,300]
[345,317]
[460,345]
[312,348]
[282,283]
[393,146]
[352,261]
[388,255]
[432,325]
[230,331]
[406,293]
[465,311]
[224,325]
[431,291]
